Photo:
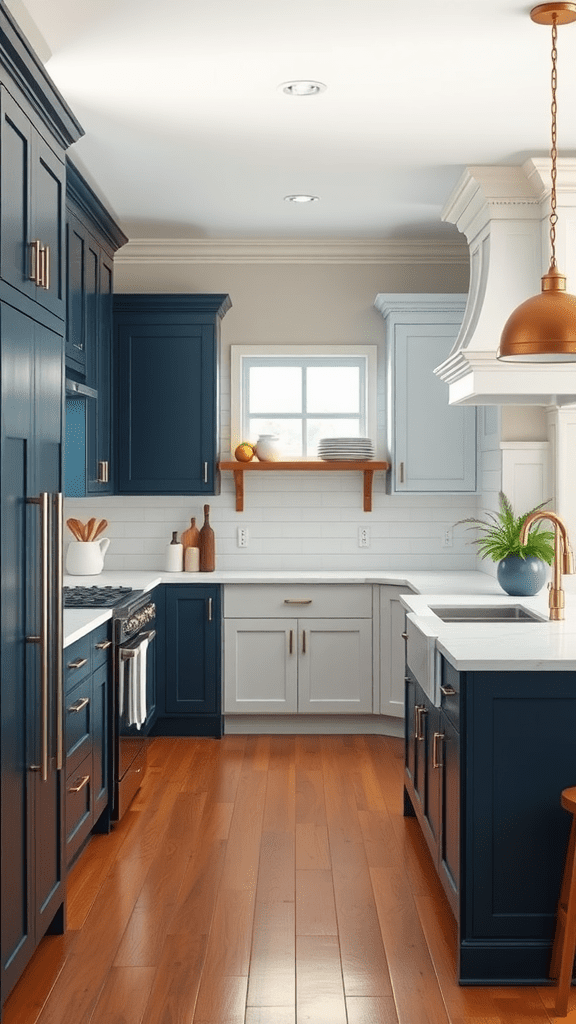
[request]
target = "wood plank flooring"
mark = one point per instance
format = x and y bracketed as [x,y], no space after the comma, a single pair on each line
[262,880]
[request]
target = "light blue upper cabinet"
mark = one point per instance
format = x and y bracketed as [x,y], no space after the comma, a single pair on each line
[432,444]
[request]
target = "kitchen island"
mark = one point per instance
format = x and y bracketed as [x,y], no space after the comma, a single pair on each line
[490,727]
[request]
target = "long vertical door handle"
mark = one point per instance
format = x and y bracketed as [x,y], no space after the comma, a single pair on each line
[209,609]
[401,473]
[291,647]
[205,472]
[43,500]
[303,641]
[58,576]
[35,273]
[46,273]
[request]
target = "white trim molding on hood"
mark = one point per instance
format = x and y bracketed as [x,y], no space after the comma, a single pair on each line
[503,212]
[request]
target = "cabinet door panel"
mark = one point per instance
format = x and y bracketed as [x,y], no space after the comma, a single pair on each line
[75,341]
[99,413]
[335,666]
[192,650]
[100,732]
[521,760]
[15,172]
[166,421]
[48,191]
[435,442]
[260,666]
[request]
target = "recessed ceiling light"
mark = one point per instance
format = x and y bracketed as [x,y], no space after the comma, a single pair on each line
[304,87]
[301,199]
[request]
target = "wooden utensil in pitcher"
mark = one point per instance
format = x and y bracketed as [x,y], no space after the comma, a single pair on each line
[100,528]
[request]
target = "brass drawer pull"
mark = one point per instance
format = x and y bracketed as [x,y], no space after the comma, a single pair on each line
[103,645]
[438,737]
[35,272]
[420,710]
[448,691]
[77,663]
[81,783]
[288,600]
[103,472]
[79,704]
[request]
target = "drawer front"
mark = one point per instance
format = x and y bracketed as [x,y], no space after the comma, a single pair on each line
[273,600]
[450,700]
[78,813]
[101,645]
[77,662]
[77,724]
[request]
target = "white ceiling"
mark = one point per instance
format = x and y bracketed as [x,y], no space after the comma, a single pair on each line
[188,136]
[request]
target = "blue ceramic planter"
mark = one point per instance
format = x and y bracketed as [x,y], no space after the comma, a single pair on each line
[522,577]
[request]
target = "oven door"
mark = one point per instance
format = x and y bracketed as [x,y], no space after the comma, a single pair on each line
[135,710]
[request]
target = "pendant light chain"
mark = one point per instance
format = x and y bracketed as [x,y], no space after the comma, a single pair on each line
[554,149]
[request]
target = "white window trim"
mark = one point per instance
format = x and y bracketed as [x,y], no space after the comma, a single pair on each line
[239,352]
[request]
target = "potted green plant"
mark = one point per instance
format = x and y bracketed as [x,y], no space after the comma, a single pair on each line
[522,568]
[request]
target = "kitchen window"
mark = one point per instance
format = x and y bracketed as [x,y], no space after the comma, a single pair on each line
[302,393]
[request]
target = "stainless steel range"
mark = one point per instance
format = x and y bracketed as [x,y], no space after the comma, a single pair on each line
[132,699]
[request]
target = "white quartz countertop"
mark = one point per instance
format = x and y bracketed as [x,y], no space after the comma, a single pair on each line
[79,622]
[502,646]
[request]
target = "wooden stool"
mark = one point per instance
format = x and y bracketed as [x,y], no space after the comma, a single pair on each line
[564,947]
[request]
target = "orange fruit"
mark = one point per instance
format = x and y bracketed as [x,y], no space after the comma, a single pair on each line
[244,452]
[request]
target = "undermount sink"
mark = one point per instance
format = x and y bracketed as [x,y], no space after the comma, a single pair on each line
[485,613]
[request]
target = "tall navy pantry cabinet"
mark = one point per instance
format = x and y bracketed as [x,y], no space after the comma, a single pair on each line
[36,127]
[167,354]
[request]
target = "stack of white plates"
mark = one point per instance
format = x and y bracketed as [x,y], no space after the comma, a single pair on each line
[345,449]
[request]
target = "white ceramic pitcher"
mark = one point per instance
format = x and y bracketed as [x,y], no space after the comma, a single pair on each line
[86,558]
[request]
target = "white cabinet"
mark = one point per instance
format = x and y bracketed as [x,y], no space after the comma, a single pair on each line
[432,444]
[392,650]
[317,662]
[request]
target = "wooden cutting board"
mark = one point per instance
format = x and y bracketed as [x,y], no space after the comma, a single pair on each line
[191,537]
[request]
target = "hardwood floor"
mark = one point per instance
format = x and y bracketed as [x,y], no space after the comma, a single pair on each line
[262,880]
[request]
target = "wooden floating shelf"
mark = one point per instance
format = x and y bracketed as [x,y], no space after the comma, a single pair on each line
[367,467]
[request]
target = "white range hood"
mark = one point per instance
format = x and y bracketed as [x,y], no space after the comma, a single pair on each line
[503,212]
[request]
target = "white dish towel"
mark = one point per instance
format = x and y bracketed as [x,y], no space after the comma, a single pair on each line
[132,696]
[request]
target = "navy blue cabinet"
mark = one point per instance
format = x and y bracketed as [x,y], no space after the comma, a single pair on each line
[36,127]
[88,678]
[92,239]
[167,351]
[32,189]
[502,752]
[189,678]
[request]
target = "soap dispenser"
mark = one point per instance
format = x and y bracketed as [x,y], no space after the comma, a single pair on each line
[174,555]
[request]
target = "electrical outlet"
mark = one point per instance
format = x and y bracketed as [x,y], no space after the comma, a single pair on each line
[447,537]
[363,537]
[242,537]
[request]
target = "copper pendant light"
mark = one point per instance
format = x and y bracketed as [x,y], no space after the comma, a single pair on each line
[543,329]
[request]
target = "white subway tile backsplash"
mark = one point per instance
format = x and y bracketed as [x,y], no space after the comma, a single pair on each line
[295,521]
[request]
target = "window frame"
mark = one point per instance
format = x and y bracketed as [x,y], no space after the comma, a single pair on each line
[240,353]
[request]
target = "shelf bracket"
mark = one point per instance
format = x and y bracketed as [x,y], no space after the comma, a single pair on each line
[368,478]
[239,485]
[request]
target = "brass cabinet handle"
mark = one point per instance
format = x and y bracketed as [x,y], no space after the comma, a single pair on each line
[77,663]
[205,472]
[401,474]
[291,648]
[59,602]
[209,609]
[303,641]
[448,691]
[420,710]
[438,737]
[35,271]
[43,501]
[79,704]
[288,600]
[81,783]
[103,645]
[46,268]
[103,472]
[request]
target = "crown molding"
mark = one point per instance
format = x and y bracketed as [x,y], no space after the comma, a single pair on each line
[290,250]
